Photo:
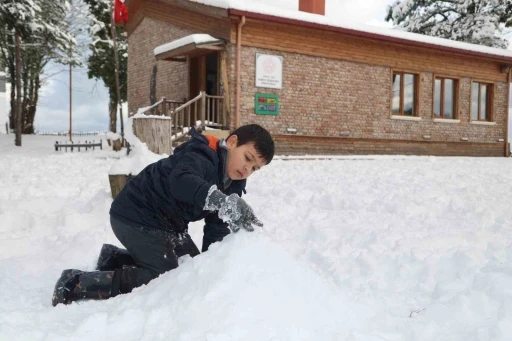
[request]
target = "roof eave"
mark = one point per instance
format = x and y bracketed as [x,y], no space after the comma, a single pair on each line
[368,35]
[192,49]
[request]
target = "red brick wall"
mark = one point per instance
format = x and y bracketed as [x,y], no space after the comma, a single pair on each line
[313,145]
[326,97]
[172,77]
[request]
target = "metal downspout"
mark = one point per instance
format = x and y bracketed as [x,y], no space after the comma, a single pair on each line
[507,149]
[241,23]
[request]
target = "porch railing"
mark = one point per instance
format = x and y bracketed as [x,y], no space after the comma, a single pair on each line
[203,110]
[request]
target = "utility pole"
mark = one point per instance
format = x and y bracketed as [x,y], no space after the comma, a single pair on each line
[70,101]
[116,65]
[17,140]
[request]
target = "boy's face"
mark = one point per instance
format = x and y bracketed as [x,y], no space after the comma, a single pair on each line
[242,160]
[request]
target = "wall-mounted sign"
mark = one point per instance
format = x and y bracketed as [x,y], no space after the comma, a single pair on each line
[266,104]
[269,71]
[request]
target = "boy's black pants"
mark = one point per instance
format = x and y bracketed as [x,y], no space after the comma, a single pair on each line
[154,251]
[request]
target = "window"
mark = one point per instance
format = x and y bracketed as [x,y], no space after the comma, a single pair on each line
[481,99]
[446,92]
[405,90]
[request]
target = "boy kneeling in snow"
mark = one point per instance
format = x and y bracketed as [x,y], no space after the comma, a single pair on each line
[204,178]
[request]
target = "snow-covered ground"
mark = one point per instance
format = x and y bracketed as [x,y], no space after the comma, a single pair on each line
[356,249]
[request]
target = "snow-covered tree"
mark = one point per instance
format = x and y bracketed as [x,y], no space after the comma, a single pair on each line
[507,16]
[101,63]
[77,23]
[472,21]
[41,28]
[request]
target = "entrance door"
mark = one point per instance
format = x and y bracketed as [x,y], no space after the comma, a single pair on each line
[204,76]
[212,74]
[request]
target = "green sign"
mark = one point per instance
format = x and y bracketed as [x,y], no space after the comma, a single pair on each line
[266,104]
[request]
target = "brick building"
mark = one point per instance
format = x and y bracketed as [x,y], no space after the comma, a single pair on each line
[318,86]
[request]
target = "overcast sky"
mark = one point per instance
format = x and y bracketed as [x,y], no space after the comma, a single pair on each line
[90,97]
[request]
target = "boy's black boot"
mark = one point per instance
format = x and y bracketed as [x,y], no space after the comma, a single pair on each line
[111,258]
[74,285]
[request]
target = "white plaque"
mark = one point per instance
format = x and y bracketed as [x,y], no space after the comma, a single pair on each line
[269,71]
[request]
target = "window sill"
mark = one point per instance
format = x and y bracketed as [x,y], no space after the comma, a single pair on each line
[483,123]
[405,118]
[446,120]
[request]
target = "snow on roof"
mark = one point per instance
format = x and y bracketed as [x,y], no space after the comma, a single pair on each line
[191,39]
[256,7]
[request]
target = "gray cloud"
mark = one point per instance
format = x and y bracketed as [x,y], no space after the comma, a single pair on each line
[90,102]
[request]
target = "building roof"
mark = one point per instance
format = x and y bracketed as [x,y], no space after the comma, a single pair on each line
[194,43]
[196,39]
[265,12]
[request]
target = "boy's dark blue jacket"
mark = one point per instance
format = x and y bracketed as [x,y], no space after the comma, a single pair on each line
[170,193]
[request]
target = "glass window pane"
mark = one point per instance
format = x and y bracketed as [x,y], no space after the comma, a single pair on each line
[395,105]
[409,94]
[474,101]
[483,102]
[437,98]
[448,98]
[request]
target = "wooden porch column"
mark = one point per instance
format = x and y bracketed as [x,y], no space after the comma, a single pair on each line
[225,86]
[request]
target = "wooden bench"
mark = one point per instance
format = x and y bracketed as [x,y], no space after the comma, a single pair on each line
[79,145]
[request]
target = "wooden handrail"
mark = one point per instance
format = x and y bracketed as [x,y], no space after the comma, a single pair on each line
[193,100]
[162,101]
[209,110]
[153,105]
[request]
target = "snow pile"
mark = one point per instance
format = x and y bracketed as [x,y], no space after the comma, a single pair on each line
[112,136]
[140,156]
[419,236]
[375,248]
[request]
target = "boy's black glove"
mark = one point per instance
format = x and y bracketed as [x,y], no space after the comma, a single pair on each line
[232,210]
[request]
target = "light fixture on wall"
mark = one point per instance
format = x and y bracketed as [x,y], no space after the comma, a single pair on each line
[291,130]
[426,137]
[464,139]
[501,140]
[345,133]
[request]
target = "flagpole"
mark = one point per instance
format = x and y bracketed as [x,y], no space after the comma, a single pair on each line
[116,65]
[70,101]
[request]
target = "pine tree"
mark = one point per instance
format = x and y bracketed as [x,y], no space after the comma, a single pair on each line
[472,21]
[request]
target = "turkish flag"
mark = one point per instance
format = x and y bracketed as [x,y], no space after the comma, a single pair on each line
[120,12]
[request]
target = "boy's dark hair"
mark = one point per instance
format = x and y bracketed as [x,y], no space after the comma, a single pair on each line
[258,135]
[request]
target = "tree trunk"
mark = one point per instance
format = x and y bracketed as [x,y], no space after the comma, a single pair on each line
[12,114]
[116,72]
[9,59]
[17,141]
[112,106]
[25,104]
[116,145]
[32,107]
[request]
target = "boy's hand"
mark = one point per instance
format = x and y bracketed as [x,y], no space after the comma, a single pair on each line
[237,213]
[232,210]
